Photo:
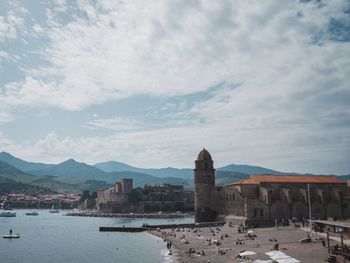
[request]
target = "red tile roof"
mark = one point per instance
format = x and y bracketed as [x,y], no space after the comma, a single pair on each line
[302,179]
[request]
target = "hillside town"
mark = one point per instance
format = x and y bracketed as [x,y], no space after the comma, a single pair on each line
[65,201]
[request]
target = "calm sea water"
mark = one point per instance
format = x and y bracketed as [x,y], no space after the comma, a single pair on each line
[54,238]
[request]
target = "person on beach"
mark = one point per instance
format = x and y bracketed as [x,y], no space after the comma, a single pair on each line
[276,247]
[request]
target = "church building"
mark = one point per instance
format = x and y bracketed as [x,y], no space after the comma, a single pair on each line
[261,199]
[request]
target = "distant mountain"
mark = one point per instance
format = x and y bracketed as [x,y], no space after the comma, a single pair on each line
[248,169]
[21,164]
[113,166]
[13,177]
[185,173]
[73,170]
[223,178]
[13,180]
[344,177]
[71,175]
[68,186]
[11,172]
[139,180]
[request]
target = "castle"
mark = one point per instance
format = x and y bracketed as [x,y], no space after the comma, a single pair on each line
[123,198]
[261,199]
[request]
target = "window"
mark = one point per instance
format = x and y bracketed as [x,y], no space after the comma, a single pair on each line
[233,197]
[255,212]
[262,211]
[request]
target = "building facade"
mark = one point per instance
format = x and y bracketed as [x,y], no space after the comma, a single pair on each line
[262,199]
[152,198]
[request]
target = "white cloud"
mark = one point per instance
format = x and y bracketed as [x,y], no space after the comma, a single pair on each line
[166,48]
[116,124]
[291,77]
[4,55]
[12,23]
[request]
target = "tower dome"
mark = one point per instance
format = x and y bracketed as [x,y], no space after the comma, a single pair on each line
[204,155]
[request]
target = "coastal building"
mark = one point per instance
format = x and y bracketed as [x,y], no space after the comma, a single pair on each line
[262,199]
[115,199]
[152,198]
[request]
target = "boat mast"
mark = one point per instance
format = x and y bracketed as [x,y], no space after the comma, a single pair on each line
[309,201]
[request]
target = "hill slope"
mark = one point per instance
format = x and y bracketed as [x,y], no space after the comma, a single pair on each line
[113,166]
[71,169]
[21,164]
[10,186]
[247,169]
[12,179]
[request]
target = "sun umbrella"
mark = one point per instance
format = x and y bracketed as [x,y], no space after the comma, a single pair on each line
[247,253]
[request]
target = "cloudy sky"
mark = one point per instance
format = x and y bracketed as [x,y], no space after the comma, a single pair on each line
[150,83]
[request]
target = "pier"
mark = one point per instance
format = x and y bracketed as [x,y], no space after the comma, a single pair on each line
[121,229]
[153,227]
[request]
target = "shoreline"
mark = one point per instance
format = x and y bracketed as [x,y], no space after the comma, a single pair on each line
[175,257]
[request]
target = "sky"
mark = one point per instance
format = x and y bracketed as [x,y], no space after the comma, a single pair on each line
[150,83]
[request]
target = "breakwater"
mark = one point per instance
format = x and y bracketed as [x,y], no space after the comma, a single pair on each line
[162,226]
[121,229]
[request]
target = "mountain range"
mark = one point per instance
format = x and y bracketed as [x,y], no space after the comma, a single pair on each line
[72,176]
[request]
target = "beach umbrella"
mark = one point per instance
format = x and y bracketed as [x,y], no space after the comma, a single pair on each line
[247,253]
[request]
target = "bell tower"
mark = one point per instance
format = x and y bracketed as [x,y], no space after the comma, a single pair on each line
[204,195]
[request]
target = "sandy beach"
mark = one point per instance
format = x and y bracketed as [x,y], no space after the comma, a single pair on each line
[223,244]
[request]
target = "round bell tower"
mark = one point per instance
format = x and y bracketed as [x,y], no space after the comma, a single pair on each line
[204,194]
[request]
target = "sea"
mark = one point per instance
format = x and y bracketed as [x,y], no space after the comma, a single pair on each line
[55,238]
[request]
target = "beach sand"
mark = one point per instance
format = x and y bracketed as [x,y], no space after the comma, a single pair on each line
[287,238]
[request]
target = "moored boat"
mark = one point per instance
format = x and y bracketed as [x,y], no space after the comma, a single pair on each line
[53,210]
[32,213]
[7,214]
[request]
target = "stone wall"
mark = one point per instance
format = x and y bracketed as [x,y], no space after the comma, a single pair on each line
[234,202]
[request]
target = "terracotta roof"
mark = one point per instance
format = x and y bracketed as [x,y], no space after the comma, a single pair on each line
[311,179]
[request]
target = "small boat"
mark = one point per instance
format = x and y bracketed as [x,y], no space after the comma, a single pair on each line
[7,214]
[32,213]
[10,236]
[53,210]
